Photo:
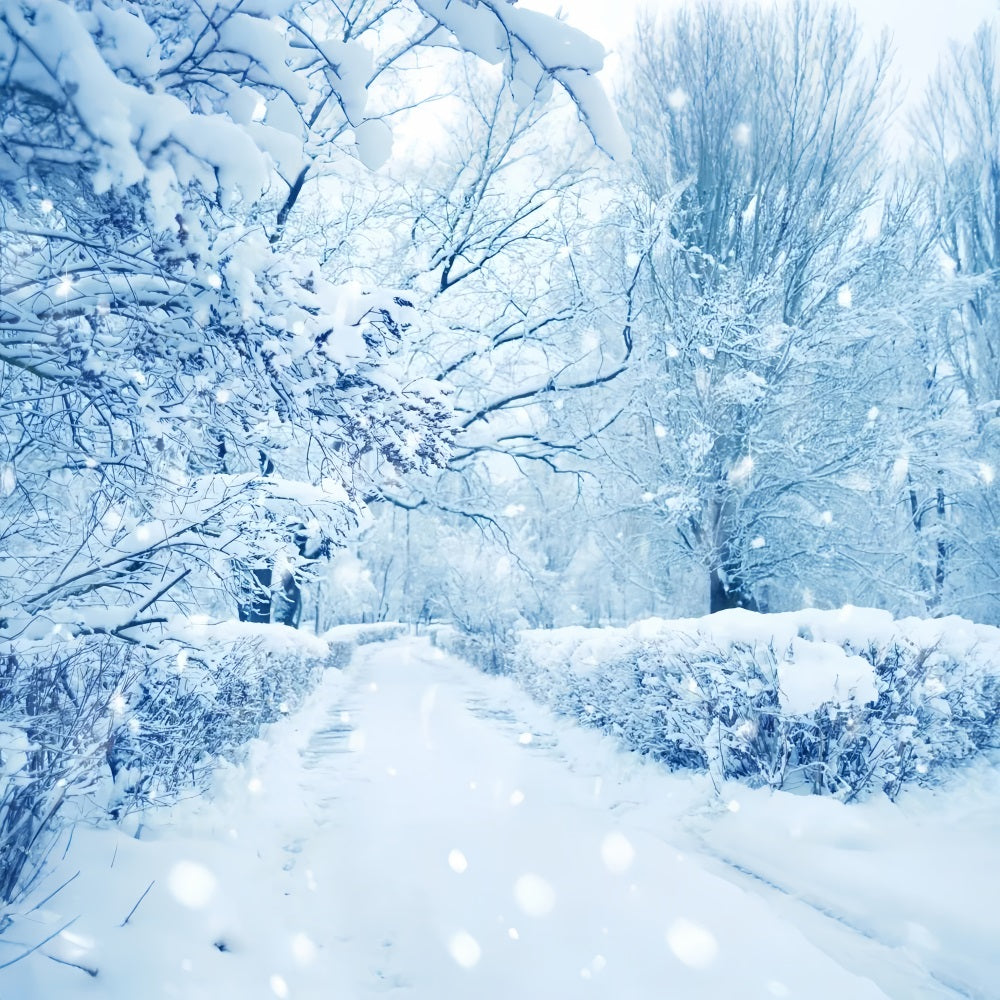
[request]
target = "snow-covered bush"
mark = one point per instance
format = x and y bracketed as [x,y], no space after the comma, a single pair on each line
[364,633]
[196,701]
[56,727]
[90,728]
[838,703]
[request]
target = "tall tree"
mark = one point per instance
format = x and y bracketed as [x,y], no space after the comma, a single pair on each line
[957,135]
[756,190]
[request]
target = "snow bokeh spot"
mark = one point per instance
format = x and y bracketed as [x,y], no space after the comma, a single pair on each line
[741,471]
[278,986]
[75,945]
[464,949]
[255,786]
[617,853]
[692,944]
[457,861]
[778,989]
[534,895]
[516,797]
[525,738]
[677,99]
[191,884]
[303,948]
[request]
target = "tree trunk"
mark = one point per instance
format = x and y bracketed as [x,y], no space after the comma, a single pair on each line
[287,600]
[255,603]
[723,594]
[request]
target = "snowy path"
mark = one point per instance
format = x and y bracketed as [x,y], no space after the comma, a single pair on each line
[427,832]
[471,860]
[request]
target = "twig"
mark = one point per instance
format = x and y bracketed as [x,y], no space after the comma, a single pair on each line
[136,907]
[73,965]
[34,948]
[38,906]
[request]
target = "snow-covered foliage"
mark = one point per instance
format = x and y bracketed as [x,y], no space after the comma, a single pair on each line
[834,702]
[182,390]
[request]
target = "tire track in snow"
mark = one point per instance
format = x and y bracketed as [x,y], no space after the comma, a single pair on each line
[889,954]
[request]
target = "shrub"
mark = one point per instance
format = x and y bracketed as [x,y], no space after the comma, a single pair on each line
[92,728]
[839,703]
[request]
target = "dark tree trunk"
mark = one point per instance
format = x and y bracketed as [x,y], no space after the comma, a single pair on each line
[723,595]
[287,600]
[255,605]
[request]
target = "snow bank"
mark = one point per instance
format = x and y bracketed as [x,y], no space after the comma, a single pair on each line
[836,702]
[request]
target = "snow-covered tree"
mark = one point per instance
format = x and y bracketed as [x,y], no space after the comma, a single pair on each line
[182,390]
[756,195]
[958,142]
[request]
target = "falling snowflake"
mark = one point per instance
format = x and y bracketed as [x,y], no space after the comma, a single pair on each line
[303,948]
[464,949]
[534,895]
[742,134]
[692,944]
[677,99]
[191,884]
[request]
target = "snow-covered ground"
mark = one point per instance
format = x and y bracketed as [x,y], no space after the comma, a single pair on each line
[423,830]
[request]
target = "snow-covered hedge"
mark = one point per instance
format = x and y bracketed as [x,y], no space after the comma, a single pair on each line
[92,728]
[836,702]
[206,692]
[491,649]
[363,633]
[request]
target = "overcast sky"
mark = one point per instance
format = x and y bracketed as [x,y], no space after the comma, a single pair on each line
[920,28]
